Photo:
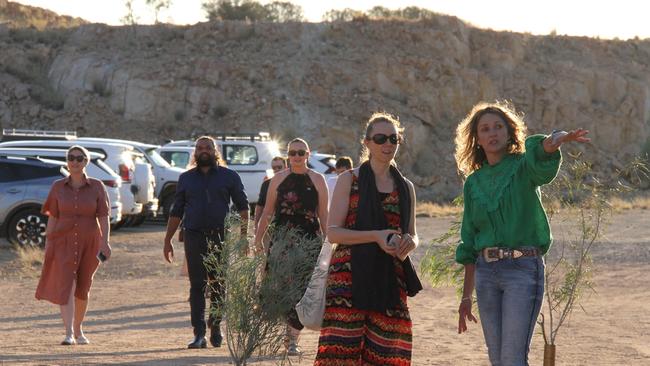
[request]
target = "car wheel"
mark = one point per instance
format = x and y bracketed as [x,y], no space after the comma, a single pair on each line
[27,228]
[167,205]
[117,225]
[138,220]
[128,221]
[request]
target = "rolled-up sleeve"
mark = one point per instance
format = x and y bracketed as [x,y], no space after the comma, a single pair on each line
[51,205]
[103,206]
[465,252]
[237,193]
[179,198]
[541,167]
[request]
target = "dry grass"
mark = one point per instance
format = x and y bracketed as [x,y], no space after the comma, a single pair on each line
[621,204]
[29,261]
[431,209]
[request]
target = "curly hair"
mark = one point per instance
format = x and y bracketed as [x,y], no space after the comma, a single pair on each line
[217,153]
[376,118]
[469,155]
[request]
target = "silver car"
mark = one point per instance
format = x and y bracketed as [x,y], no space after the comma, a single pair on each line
[24,185]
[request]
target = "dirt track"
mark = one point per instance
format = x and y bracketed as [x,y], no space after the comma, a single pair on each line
[139,315]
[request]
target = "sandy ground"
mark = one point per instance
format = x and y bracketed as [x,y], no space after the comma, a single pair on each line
[139,315]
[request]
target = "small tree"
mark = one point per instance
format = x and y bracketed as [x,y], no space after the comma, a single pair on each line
[344,15]
[275,11]
[157,6]
[258,294]
[129,18]
[284,11]
[584,204]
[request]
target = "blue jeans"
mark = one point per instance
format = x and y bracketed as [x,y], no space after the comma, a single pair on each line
[509,294]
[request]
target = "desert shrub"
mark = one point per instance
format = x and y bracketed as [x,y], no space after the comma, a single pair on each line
[260,290]
[275,11]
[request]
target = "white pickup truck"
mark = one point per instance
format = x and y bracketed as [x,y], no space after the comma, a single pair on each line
[249,155]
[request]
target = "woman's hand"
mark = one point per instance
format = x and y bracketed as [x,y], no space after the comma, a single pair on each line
[555,140]
[406,246]
[465,313]
[106,250]
[381,238]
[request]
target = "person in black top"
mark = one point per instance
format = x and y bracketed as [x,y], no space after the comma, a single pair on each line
[202,201]
[278,164]
[297,198]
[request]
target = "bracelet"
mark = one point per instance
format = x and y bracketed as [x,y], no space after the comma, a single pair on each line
[466,298]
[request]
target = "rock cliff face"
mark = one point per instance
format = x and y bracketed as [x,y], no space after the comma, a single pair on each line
[322,81]
[13,14]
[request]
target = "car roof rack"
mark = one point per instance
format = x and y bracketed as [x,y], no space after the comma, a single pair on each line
[16,134]
[223,136]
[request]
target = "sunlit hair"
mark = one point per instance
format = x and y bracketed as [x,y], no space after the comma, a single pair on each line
[469,155]
[282,159]
[81,149]
[378,117]
[217,153]
[298,139]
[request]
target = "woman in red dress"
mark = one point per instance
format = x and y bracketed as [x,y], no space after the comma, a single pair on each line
[77,231]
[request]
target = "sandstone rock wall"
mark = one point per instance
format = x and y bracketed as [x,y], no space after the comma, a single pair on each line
[322,81]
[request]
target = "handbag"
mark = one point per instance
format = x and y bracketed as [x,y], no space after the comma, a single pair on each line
[311,306]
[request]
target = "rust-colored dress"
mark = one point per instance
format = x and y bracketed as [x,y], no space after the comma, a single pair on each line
[73,244]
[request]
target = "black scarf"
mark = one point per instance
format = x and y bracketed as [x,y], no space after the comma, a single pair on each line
[374,282]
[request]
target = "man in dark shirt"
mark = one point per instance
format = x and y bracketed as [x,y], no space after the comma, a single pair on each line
[278,163]
[202,201]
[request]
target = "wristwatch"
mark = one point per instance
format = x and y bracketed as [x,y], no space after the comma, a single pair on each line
[556,135]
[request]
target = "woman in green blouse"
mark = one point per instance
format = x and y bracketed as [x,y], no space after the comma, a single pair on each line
[505,230]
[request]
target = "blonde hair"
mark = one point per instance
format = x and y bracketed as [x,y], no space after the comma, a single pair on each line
[378,117]
[217,153]
[469,155]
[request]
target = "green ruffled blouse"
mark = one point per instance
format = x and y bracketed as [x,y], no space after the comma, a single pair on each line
[503,205]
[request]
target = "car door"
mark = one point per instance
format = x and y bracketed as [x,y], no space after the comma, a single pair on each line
[12,191]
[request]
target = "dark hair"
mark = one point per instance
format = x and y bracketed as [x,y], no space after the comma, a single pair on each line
[282,159]
[344,162]
[217,153]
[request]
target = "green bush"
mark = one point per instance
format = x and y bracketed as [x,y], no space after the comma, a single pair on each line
[260,291]
[275,11]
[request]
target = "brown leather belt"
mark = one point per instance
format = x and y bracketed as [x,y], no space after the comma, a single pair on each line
[494,254]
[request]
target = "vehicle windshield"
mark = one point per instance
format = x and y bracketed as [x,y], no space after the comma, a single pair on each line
[157,159]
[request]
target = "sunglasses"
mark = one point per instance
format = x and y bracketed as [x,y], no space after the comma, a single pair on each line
[277,167]
[381,139]
[297,152]
[78,158]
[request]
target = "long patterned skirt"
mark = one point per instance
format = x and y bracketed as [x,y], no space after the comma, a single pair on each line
[350,336]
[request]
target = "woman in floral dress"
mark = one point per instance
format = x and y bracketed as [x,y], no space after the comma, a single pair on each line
[297,198]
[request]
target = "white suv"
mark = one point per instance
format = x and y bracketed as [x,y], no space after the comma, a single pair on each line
[120,158]
[166,176]
[96,168]
[248,154]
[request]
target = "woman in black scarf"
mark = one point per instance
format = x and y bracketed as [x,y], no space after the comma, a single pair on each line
[366,318]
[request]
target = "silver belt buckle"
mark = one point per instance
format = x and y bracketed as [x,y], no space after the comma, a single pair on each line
[486,254]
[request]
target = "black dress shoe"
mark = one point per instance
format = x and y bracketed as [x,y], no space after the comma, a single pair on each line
[215,336]
[199,342]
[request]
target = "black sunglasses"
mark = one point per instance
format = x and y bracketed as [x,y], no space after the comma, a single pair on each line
[381,139]
[78,158]
[277,167]
[297,152]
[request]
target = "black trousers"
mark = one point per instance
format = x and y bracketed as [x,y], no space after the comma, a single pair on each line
[196,246]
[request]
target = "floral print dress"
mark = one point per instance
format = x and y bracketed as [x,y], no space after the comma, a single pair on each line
[297,204]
